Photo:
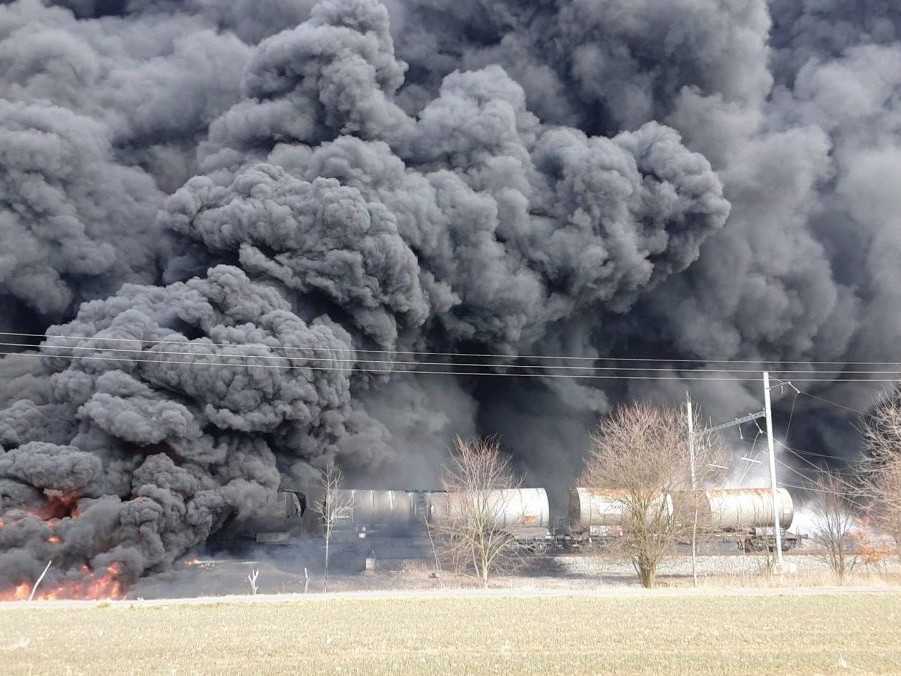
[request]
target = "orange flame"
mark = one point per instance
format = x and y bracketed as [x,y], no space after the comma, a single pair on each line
[91,586]
[59,505]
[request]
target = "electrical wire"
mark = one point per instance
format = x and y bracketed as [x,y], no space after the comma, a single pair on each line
[824,491]
[355,365]
[395,362]
[495,355]
[750,465]
[791,414]
[818,489]
[829,401]
[799,455]
[427,372]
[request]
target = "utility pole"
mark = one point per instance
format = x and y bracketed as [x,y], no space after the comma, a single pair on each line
[691,438]
[694,493]
[769,441]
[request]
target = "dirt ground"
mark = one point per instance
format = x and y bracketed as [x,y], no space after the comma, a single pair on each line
[280,575]
[620,630]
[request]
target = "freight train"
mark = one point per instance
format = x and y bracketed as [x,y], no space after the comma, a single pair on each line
[595,519]
[740,515]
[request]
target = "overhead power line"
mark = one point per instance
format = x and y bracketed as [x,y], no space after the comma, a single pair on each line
[416,371]
[395,362]
[826,492]
[833,403]
[755,362]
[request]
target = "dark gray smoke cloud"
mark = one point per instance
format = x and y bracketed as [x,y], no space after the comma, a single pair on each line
[229,207]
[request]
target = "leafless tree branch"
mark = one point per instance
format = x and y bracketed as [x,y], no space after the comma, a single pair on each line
[640,454]
[469,524]
[834,518]
[333,505]
[881,475]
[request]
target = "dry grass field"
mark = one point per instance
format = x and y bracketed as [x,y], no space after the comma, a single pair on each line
[816,632]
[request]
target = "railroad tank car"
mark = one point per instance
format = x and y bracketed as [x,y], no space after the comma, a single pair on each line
[277,522]
[600,513]
[387,511]
[517,509]
[743,509]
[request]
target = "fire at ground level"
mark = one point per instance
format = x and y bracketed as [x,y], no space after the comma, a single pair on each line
[396,525]
[371,555]
[621,631]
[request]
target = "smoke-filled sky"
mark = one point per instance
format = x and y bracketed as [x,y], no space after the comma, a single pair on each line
[312,184]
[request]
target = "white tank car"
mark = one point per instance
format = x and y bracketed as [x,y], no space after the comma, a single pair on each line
[740,509]
[387,511]
[600,513]
[523,512]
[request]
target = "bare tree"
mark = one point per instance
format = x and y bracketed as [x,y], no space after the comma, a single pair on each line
[834,519]
[39,580]
[434,546]
[470,524]
[881,475]
[252,579]
[640,454]
[333,505]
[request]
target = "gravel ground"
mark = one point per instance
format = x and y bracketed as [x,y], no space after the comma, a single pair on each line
[681,567]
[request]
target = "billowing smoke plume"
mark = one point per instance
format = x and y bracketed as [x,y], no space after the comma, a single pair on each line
[238,215]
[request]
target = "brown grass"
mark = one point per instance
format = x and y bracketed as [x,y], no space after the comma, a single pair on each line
[636,632]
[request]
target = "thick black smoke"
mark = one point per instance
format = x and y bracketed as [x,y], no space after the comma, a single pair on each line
[227,207]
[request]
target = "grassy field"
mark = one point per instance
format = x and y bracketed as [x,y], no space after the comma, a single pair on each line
[701,633]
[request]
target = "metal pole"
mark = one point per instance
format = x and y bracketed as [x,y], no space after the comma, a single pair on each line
[694,495]
[769,441]
[691,439]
